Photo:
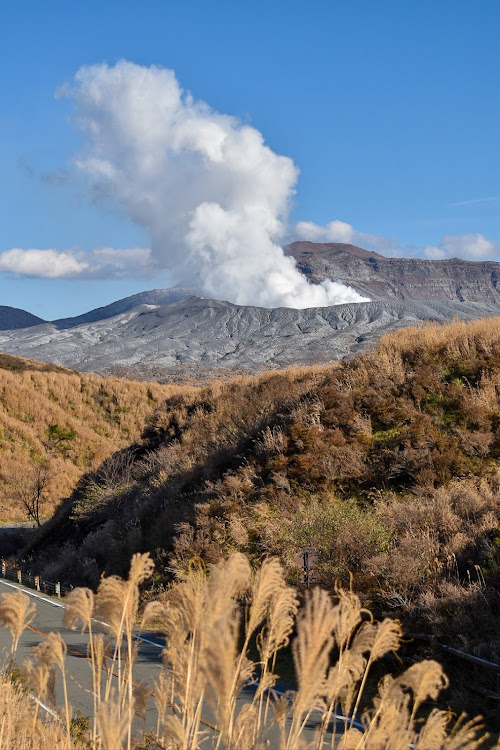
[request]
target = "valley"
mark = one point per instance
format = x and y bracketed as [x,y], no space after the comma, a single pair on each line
[56,424]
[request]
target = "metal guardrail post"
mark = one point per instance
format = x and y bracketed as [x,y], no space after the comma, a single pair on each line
[19,576]
[58,590]
[37,583]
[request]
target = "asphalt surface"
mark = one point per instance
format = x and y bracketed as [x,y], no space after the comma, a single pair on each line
[78,669]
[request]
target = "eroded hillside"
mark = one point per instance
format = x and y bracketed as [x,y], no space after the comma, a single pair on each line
[380,277]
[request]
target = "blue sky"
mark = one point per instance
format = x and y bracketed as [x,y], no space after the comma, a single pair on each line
[389,109]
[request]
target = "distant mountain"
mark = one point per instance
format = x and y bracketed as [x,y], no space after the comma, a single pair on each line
[151,297]
[12,318]
[381,278]
[370,273]
[173,332]
[196,334]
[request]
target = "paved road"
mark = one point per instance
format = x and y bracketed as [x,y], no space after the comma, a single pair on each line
[49,618]
[78,667]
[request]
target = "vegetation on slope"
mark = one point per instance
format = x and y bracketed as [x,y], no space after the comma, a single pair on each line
[209,624]
[55,424]
[385,467]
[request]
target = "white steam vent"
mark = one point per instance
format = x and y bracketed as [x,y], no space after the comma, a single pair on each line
[214,197]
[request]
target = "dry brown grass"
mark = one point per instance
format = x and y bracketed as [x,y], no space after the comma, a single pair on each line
[107,414]
[206,660]
[459,339]
[16,612]
[17,729]
[387,466]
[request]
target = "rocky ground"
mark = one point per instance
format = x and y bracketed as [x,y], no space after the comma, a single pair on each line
[195,333]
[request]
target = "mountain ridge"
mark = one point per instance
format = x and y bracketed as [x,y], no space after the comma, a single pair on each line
[380,277]
[148,297]
[176,333]
[198,333]
[372,274]
[13,318]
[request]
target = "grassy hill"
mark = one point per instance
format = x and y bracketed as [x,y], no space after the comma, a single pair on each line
[103,414]
[356,461]
[384,468]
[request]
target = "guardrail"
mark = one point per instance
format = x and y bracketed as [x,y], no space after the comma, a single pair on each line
[15,573]
[478,661]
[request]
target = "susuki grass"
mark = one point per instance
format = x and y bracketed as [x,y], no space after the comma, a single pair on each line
[16,612]
[20,728]
[210,619]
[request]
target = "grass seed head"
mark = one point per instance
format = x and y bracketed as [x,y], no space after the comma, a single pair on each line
[112,725]
[16,613]
[79,606]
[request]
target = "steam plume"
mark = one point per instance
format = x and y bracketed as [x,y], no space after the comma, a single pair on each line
[214,197]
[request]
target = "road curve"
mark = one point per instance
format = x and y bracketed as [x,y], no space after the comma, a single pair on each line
[78,669]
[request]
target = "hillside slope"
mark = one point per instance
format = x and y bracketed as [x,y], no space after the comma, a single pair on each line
[12,318]
[239,462]
[150,297]
[106,414]
[196,334]
[386,467]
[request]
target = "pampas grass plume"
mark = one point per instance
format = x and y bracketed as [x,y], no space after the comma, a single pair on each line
[16,613]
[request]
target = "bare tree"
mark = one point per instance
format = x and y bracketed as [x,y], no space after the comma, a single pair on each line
[31,487]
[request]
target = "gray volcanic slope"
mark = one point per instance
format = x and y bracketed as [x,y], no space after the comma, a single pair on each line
[197,333]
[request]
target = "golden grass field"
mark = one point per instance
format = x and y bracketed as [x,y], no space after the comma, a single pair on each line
[106,413]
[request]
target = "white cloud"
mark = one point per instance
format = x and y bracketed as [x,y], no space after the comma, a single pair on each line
[107,262]
[335,231]
[45,264]
[340,231]
[468,246]
[494,199]
[434,253]
[103,262]
[214,197]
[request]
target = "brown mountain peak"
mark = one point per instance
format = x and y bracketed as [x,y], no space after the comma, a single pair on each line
[329,249]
